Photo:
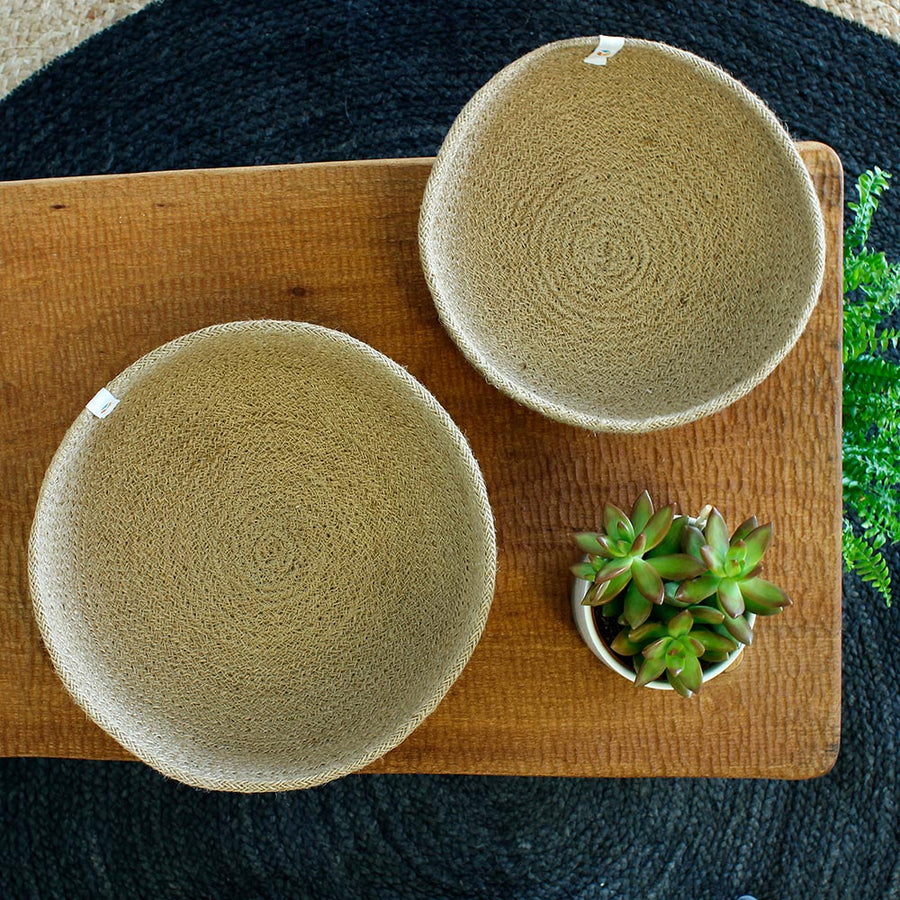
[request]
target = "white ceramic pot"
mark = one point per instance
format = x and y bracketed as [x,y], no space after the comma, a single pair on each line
[587,628]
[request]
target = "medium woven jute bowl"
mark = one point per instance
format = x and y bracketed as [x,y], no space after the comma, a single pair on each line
[622,247]
[268,563]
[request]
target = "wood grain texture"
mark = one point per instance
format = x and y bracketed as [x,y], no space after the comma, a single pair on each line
[98,271]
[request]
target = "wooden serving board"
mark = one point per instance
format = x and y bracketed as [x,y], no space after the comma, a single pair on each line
[95,272]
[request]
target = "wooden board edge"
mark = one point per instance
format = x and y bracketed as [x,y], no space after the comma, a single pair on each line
[277,168]
[828,163]
[393,162]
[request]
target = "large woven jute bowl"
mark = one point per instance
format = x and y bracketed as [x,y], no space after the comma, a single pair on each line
[622,247]
[268,563]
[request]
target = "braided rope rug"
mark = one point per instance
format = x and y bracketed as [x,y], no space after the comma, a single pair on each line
[34,32]
[193,83]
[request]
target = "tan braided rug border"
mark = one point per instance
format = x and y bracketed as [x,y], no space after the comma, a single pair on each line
[34,32]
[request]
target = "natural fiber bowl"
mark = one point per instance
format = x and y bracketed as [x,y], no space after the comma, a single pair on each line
[268,563]
[622,247]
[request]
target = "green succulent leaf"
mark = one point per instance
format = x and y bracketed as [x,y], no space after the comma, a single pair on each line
[714,642]
[757,542]
[744,529]
[623,645]
[671,589]
[619,548]
[657,649]
[612,569]
[583,570]
[764,593]
[730,598]
[716,533]
[681,624]
[679,685]
[612,609]
[641,512]
[691,675]
[737,552]
[675,657]
[714,560]
[692,540]
[615,586]
[617,525]
[739,628]
[658,526]
[639,545]
[671,543]
[697,589]
[712,656]
[589,543]
[665,614]
[751,606]
[648,581]
[677,567]
[595,594]
[707,615]
[636,607]
[649,671]
[610,548]
[647,633]
[692,645]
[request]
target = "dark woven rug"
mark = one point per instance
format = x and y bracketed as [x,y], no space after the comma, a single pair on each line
[189,83]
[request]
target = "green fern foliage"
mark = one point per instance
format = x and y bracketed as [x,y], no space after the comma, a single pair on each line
[866,561]
[871,395]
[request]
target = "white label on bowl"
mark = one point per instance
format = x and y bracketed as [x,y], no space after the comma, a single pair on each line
[103,403]
[608,46]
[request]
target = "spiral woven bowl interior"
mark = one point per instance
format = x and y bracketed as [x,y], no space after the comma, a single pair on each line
[269,563]
[622,247]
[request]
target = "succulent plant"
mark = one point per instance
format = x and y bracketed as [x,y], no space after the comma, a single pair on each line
[732,573]
[675,647]
[622,556]
[679,587]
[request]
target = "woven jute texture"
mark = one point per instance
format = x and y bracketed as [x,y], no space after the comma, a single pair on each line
[881,16]
[34,32]
[269,563]
[621,247]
